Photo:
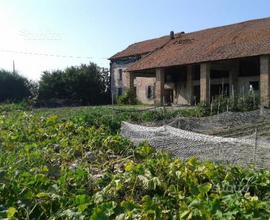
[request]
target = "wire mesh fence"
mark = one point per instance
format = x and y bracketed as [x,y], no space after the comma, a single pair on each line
[244,149]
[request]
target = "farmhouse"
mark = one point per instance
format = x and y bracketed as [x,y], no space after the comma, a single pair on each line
[187,68]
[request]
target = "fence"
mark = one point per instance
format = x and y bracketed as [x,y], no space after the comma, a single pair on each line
[184,144]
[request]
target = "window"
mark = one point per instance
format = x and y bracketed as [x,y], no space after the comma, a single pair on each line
[120,74]
[135,91]
[120,91]
[150,92]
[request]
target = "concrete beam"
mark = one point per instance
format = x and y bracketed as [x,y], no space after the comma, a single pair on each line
[146,75]
[159,87]
[265,80]
[205,82]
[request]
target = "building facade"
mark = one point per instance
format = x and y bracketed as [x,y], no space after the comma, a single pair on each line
[188,68]
[120,79]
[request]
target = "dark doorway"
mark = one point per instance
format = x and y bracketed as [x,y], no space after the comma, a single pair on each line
[220,90]
[168,96]
[196,95]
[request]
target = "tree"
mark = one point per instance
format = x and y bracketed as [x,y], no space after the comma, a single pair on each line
[81,85]
[14,87]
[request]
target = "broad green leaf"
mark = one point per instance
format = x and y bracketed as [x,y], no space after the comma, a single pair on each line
[11,212]
[43,195]
[205,188]
[184,214]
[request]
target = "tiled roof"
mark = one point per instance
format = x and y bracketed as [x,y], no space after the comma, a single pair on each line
[250,38]
[141,48]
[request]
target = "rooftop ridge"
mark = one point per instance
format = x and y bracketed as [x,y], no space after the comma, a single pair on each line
[242,39]
[142,47]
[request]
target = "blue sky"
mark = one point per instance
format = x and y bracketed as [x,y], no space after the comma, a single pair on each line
[95,30]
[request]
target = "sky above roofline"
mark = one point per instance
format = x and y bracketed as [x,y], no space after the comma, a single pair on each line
[53,34]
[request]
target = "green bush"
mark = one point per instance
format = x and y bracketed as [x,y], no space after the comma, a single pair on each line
[237,104]
[203,109]
[248,103]
[129,98]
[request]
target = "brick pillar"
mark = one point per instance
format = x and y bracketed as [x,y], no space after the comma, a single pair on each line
[130,81]
[189,84]
[233,79]
[265,80]
[159,87]
[205,82]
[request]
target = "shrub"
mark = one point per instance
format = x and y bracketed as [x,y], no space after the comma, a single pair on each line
[237,104]
[128,99]
[203,109]
[248,103]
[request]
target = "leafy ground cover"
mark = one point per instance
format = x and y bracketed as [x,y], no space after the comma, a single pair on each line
[72,164]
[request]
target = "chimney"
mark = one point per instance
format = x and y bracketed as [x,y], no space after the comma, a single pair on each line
[172,35]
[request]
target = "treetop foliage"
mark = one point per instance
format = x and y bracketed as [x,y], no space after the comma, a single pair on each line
[14,87]
[76,85]
[82,85]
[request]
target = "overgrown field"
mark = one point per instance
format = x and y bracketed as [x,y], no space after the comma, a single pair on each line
[72,164]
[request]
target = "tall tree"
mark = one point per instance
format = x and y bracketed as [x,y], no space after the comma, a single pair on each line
[13,87]
[84,85]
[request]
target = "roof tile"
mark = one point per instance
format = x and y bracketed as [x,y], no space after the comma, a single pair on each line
[250,38]
[141,48]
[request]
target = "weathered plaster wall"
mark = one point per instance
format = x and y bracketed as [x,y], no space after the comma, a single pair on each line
[142,84]
[182,95]
[115,81]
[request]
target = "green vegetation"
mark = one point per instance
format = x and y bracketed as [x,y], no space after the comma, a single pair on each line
[221,104]
[110,118]
[76,85]
[129,98]
[15,88]
[71,163]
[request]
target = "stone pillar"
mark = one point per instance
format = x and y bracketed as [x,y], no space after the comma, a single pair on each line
[159,87]
[205,82]
[189,84]
[233,79]
[265,80]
